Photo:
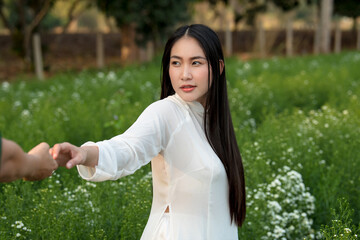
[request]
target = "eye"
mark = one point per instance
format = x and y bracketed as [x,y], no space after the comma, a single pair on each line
[175,63]
[196,63]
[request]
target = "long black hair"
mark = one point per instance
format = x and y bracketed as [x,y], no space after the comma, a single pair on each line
[219,129]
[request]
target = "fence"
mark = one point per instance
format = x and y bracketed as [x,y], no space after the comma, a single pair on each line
[77,51]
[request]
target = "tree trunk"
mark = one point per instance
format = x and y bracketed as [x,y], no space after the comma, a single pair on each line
[316,42]
[358,39]
[38,56]
[289,34]
[225,26]
[317,33]
[337,42]
[325,19]
[261,38]
[260,41]
[27,48]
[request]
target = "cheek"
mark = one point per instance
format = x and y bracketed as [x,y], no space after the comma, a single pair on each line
[171,74]
[203,75]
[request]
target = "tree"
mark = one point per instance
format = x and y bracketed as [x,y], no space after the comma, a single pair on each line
[326,10]
[288,6]
[71,10]
[142,21]
[23,18]
[348,8]
[323,31]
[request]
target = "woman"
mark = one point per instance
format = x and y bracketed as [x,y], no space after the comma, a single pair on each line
[198,177]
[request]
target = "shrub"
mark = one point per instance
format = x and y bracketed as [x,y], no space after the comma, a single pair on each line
[281,209]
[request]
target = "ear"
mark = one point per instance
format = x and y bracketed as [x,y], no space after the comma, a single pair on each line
[221,63]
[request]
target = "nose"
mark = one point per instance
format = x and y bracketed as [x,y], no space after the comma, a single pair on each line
[186,74]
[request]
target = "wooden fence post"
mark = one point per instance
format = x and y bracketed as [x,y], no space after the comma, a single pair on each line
[261,38]
[228,41]
[38,57]
[99,50]
[150,50]
[358,39]
[289,38]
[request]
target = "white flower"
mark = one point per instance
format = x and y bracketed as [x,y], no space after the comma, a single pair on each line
[274,205]
[5,86]
[25,113]
[278,232]
[100,75]
[111,75]
[247,66]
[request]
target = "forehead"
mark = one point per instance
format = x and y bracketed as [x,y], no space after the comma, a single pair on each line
[187,47]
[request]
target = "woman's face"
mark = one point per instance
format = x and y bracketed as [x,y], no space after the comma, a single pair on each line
[188,70]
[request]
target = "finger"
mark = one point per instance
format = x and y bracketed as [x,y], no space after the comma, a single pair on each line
[56,150]
[55,164]
[44,145]
[75,161]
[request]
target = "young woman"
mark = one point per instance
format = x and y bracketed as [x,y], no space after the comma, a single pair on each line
[188,135]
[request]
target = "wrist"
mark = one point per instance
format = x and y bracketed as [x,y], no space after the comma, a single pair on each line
[90,155]
[27,170]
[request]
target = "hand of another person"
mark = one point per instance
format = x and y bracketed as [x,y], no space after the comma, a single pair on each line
[40,163]
[68,155]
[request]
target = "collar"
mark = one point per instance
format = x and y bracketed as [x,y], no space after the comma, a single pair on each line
[194,106]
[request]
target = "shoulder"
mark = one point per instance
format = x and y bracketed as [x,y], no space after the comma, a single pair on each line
[165,107]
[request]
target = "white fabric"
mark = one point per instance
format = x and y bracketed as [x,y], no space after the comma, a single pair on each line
[163,231]
[188,177]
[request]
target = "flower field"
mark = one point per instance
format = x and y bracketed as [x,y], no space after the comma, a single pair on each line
[297,123]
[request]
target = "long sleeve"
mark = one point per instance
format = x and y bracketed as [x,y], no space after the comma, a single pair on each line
[124,154]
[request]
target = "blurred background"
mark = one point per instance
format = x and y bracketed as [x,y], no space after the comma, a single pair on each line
[46,36]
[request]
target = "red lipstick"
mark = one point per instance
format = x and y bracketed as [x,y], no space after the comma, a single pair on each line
[187,88]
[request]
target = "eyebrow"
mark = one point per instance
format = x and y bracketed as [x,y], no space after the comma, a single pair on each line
[192,58]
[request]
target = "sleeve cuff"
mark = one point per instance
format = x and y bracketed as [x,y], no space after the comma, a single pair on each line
[88,173]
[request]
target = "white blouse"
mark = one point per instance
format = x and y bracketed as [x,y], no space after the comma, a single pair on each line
[188,177]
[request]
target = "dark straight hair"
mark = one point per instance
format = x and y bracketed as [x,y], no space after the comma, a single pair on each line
[219,129]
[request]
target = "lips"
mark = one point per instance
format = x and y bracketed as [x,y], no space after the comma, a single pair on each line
[187,88]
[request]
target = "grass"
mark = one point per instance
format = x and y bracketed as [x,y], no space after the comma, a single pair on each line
[300,114]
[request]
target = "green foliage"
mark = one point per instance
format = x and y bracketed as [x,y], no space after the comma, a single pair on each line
[299,114]
[153,19]
[89,20]
[20,17]
[286,5]
[341,224]
[349,8]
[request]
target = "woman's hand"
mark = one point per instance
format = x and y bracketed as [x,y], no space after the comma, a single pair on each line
[68,155]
